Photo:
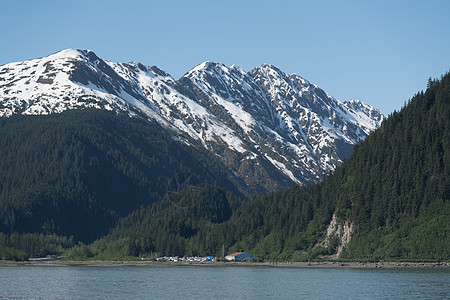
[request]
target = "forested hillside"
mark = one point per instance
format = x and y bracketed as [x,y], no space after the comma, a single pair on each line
[393,191]
[205,220]
[76,173]
[396,185]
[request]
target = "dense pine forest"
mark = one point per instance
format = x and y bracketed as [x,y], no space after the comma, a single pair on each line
[393,192]
[76,173]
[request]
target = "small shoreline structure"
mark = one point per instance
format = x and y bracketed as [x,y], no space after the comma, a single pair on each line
[47,258]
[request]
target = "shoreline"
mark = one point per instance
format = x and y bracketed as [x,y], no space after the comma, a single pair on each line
[322,264]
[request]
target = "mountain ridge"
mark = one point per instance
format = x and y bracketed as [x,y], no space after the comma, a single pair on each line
[263,123]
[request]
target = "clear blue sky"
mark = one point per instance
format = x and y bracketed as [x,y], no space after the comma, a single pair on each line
[381,52]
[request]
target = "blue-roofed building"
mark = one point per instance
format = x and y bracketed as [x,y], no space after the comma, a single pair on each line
[239,256]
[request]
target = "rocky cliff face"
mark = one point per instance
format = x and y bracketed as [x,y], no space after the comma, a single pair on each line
[270,128]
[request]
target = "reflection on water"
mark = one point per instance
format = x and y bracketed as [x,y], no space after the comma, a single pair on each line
[82,282]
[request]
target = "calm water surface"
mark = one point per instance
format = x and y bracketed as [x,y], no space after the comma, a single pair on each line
[41,282]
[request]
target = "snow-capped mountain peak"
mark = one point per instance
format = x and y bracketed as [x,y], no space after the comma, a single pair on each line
[269,127]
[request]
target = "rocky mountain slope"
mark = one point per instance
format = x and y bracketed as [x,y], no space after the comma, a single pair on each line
[268,127]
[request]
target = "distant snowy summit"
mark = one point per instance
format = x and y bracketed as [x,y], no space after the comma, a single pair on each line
[269,127]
